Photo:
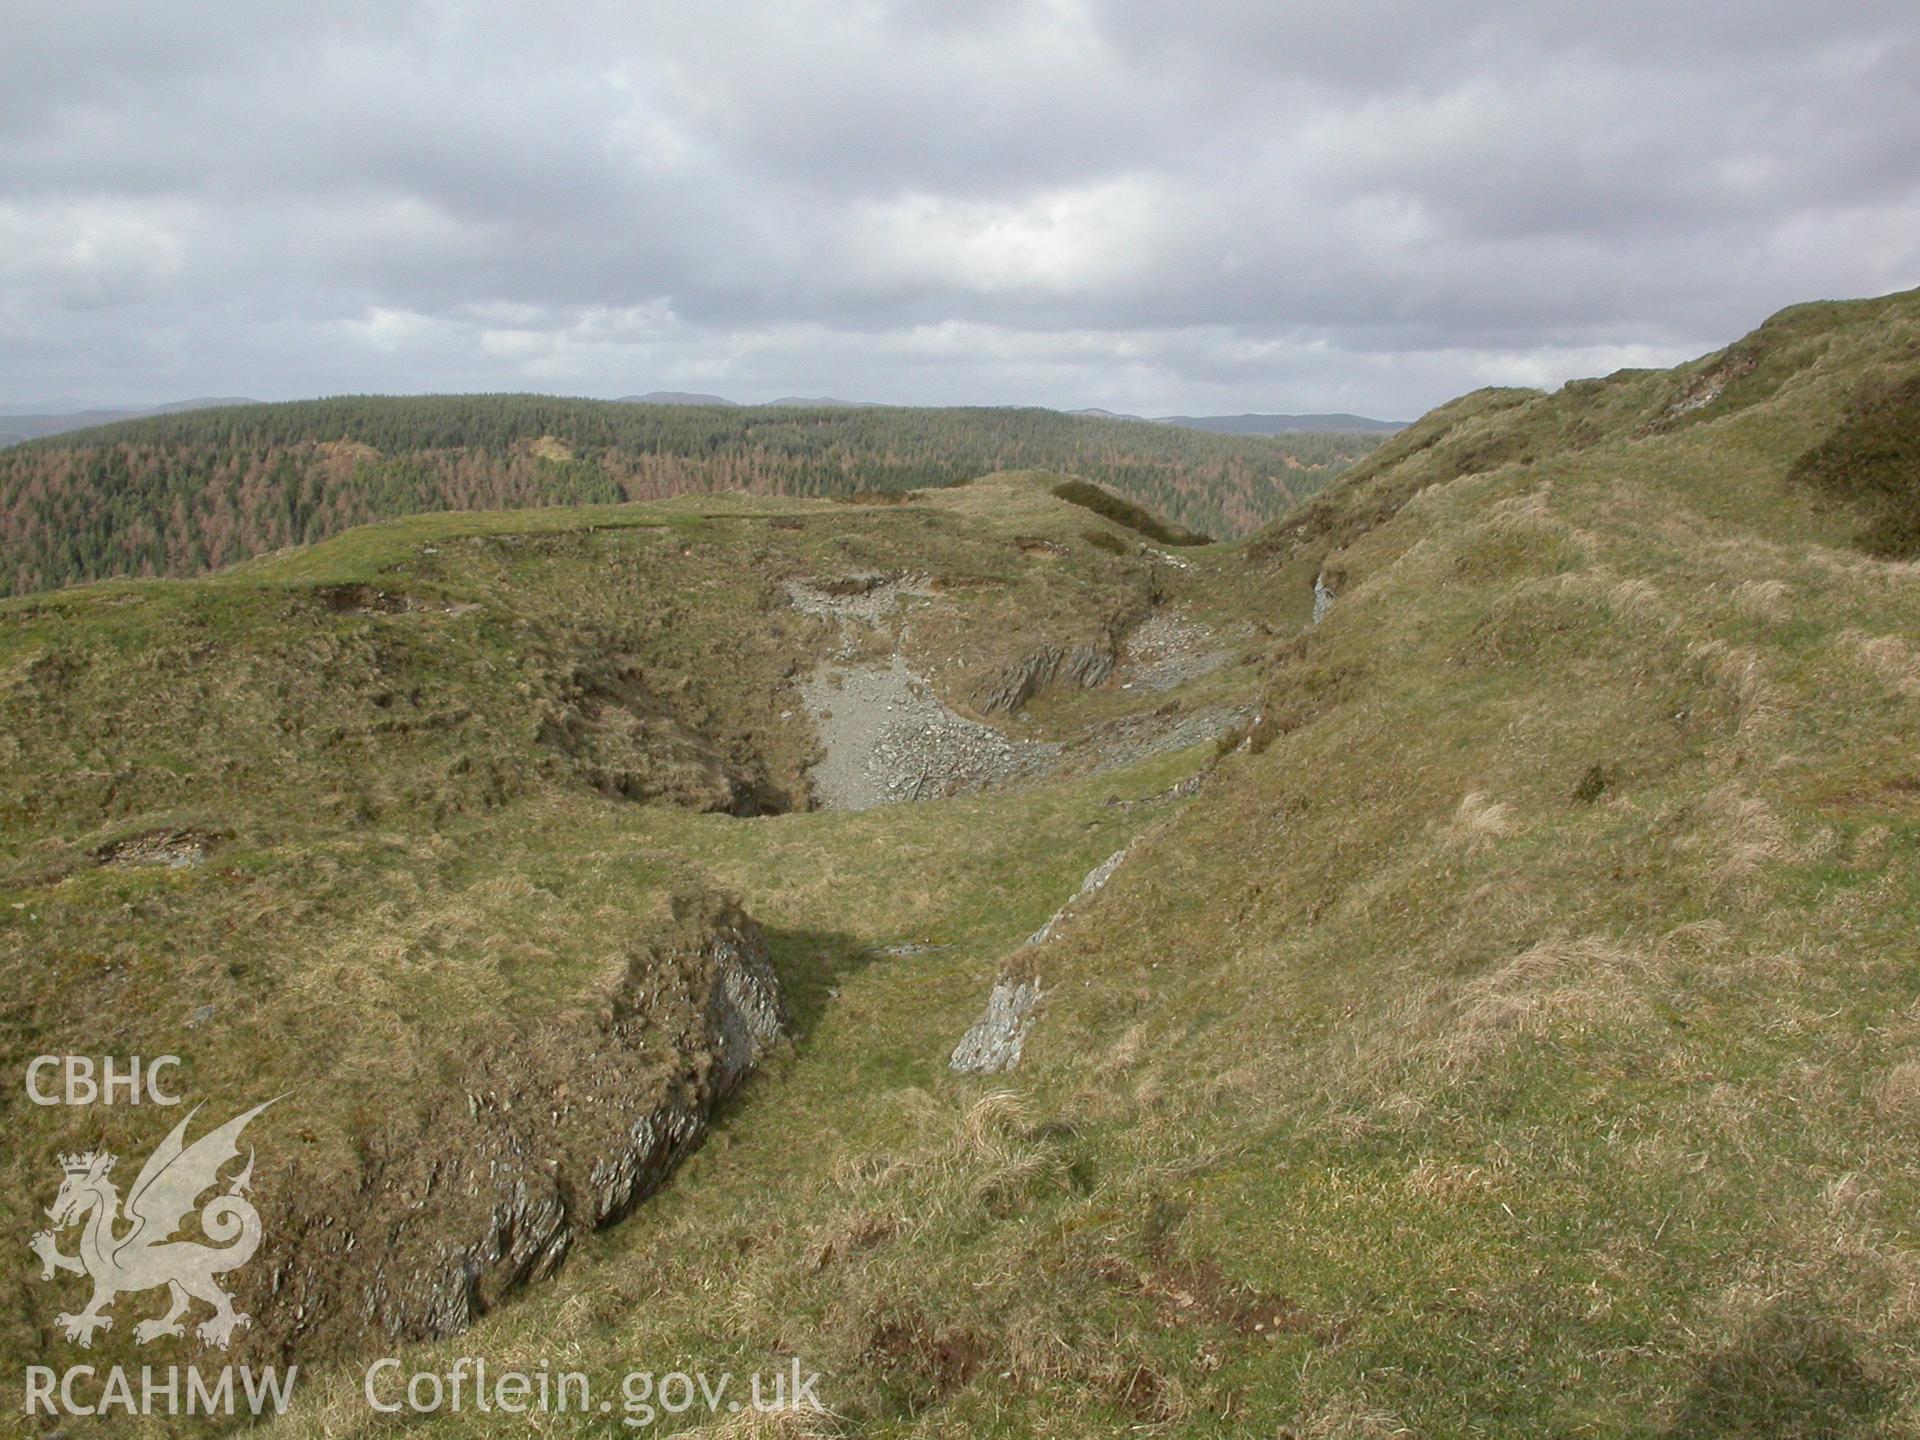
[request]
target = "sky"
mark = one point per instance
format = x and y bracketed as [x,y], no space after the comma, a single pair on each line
[1209,206]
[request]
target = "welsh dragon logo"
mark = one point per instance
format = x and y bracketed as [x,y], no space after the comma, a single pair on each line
[134,1249]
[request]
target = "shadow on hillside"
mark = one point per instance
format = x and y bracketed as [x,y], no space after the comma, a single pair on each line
[1793,1372]
[812,964]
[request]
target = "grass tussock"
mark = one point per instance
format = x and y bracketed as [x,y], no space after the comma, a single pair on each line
[1479,821]
[1769,600]
[1893,658]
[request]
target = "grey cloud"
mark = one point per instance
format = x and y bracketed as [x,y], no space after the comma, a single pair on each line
[1364,205]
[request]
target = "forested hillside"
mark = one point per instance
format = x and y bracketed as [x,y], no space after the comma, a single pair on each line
[178,494]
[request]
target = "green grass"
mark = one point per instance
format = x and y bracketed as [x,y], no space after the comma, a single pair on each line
[1871,463]
[1397,1083]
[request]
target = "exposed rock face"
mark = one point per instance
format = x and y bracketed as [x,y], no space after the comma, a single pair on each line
[992,1045]
[1323,598]
[1705,389]
[745,1006]
[1085,665]
[994,1042]
[559,1131]
[174,849]
[868,598]
[1096,878]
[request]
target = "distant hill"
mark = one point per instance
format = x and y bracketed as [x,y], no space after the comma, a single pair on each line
[675,397]
[16,427]
[1339,424]
[1335,424]
[64,405]
[1282,424]
[790,402]
[180,493]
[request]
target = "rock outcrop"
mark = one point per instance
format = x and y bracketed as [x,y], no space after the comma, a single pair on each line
[993,1043]
[1084,665]
[1096,879]
[561,1130]
[1323,598]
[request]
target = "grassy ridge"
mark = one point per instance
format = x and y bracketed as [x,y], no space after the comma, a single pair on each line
[1122,512]
[1516,1034]
[1514,1038]
[178,494]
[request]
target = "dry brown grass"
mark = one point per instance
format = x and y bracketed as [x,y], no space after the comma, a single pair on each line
[1445,1181]
[1124,1054]
[1765,600]
[1738,674]
[750,1424]
[1742,834]
[1631,599]
[1557,987]
[1898,1093]
[1894,660]
[1868,569]
[1637,598]
[1695,938]
[1348,1417]
[1479,821]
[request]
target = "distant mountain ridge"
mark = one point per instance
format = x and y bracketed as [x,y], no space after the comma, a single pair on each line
[16,427]
[677,397]
[1334,424]
[1337,423]
[787,402]
[21,423]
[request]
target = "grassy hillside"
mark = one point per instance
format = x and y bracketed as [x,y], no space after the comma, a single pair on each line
[1517,1033]
[408,818]
[178,494]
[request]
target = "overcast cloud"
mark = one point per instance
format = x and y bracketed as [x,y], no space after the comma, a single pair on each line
[1204,206]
